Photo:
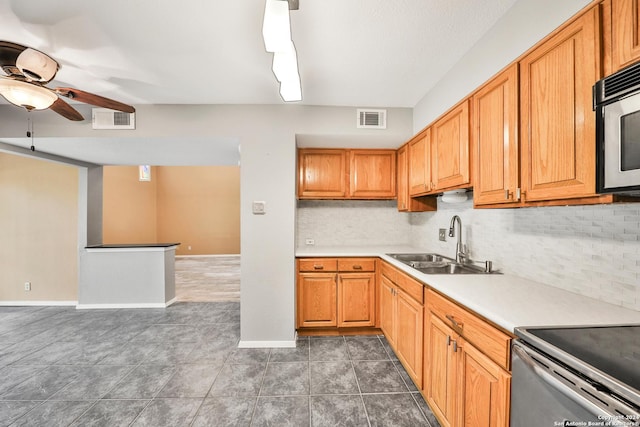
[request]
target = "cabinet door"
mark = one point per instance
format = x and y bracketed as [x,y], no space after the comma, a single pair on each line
[317,299]
[558,124]
[356,299]
[322,173]
[372,174]
[625,37]
[409,335]
[420,164]
[485,390]
[495,137]
[387,309]
[440,369]
[450,149]
[405,202]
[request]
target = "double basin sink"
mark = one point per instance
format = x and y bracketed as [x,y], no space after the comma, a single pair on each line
[430,263]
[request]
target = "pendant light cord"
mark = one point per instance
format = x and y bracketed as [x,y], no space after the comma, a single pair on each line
[30,132]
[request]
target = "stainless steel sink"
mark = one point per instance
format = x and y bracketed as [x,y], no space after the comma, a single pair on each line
[406,258]
[431,263]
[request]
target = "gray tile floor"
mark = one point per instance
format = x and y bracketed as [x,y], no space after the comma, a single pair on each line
[180,366]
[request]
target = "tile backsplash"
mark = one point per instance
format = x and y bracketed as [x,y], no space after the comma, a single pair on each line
[590,250]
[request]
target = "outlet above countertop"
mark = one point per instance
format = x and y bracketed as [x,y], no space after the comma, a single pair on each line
[508,301]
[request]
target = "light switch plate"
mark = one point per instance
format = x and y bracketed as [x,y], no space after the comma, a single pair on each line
[259,208]
[442,234]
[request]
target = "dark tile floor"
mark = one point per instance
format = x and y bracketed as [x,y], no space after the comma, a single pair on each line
[180,366]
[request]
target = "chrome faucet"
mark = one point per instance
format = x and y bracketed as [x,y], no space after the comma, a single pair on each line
[460,254]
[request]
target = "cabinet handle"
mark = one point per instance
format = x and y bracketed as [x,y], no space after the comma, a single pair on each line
[448,340]
[455,346]
[318,267]
[518,193]
[357,267]
[506,194]
[455,324]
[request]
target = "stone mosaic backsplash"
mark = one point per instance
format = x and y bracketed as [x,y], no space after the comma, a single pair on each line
[590,250]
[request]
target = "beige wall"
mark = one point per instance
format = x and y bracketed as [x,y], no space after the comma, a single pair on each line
[38,215]
[198,206]
[129,206]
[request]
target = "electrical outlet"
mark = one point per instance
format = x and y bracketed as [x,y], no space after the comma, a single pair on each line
[309,242]
[27,286]
[442,234]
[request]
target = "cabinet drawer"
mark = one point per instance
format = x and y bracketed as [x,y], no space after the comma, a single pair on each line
[411,286]
[356,264]
[318,264]
[388,271]
[487,338]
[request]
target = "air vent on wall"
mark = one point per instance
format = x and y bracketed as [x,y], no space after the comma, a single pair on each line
[103,118]
[372,119]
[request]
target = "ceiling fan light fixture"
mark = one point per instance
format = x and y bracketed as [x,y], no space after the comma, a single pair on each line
[27,95]
[36,66]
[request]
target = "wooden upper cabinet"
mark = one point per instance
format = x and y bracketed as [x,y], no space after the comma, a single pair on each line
[495,138]
[625,33]
[450,149]
[372,174]
[558,124]
[406,203]
[346,174]
[419,153]
[322,173]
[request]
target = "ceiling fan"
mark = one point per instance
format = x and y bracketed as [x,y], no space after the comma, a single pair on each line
[29,70]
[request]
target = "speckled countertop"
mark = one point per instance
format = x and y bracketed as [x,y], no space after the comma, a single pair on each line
[508,301]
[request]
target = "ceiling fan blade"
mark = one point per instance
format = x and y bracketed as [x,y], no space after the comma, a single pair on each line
[90,98]
[66,110]
[9,53]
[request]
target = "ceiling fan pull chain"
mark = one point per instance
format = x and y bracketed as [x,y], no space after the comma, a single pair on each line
[30,132]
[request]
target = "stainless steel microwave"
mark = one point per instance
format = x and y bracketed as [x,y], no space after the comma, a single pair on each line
[616,101]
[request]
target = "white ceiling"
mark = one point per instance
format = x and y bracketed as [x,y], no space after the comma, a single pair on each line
[385,53]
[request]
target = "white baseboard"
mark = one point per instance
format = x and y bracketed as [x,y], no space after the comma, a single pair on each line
[37,303]
[206,256]
[122,305]
[267,344]
[171,301]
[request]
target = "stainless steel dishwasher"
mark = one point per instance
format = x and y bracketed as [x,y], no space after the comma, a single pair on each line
[576,376]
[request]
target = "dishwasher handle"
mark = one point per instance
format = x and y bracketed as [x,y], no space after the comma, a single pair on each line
[575,387]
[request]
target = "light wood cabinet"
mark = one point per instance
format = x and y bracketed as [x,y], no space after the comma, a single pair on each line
[322,173]
[495,138]
[406,203]
[557,122]
[450,165]
[336,292]
[419,153]
[486,389]
[467,382]
[441,370]
[317,300]
[625,33]
[372,174]
[346,174]
[401,318]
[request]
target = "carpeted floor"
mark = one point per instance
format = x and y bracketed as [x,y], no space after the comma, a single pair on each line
[208,278]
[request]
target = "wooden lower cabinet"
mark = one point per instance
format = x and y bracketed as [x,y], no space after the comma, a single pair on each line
[356,300]
[486,390]
[336,292]
[463,386]
[409,334]
[317,300]
[401,319]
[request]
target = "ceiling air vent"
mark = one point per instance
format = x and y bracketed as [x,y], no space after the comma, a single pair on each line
[103,118]
[372,119]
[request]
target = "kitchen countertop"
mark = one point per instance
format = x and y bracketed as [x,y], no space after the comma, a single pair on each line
[506,300]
